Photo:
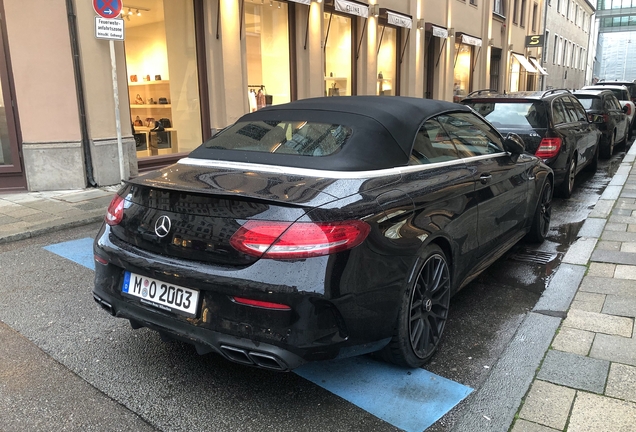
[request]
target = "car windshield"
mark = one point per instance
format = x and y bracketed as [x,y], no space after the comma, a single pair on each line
[509,114]
[620,94]
[588,102]
[284,137]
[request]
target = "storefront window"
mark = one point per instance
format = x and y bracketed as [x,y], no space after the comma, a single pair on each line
[515,72]
[387,61]
[462,85]
[163,77]
[267,39]
[338,53]
[5,144]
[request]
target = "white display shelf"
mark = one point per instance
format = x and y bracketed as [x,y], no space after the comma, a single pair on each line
[151,106]
[145,83]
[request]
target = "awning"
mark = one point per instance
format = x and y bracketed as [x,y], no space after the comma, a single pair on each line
[399,20]
[469,40]
[305,2]
[536,64]
[352,8]
[525,63]
[437,31]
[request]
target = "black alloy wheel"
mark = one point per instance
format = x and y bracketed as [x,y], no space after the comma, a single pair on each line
[424,311]
[567,186]
[542,215]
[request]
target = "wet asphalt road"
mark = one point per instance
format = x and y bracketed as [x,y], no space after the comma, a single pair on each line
[168,386]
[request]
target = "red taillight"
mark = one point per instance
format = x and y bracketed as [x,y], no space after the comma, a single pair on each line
[100,260]
[629,109]
[548,148]
[115,212]
[260,304]
[606,118]
[287,240]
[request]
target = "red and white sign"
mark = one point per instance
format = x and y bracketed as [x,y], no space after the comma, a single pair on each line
[108,8]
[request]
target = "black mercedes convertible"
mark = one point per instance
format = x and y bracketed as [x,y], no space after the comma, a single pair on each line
[320,229]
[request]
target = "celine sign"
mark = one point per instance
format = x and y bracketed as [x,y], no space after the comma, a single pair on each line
[399,20]
[352,8]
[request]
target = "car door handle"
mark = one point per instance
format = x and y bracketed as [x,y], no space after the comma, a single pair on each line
[485,178]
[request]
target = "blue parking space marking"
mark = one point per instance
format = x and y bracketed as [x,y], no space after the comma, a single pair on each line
[79,251]
[411,400]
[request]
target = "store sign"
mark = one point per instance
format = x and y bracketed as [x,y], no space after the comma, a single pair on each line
[469,40]
[305,2]
[109,29]
[399,20]
[352,8]
[107,9]
[534,41]
[439,32]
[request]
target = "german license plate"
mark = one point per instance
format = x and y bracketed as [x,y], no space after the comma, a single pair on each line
[162,295]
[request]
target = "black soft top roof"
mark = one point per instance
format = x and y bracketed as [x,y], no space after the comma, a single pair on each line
[383,131]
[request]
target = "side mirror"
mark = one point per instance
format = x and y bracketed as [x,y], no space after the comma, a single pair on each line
[625,109]
[513,144]
[597,119]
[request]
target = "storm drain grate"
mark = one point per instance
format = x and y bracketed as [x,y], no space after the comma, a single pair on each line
[532,256]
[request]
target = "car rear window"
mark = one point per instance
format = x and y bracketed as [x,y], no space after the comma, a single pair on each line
[283,137]
[509,114]
[589,102]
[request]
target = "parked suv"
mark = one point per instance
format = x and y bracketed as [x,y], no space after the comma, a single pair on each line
[622,94]
[631,86]
[607,113]
[553,125]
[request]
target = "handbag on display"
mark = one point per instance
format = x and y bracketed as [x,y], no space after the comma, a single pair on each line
[163,101]
[333,90]
[138,122]
[150,122]
[165,122]
[139,100]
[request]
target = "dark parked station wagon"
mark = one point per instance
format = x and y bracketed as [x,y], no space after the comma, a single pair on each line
[553,125]
[319,229]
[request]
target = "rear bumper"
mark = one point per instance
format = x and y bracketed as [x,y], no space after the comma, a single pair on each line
[323,322]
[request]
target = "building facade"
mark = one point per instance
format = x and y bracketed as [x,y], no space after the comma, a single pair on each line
[190,67]
[616,40]
[567,38]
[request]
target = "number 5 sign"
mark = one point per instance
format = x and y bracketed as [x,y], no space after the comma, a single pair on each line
[107,8]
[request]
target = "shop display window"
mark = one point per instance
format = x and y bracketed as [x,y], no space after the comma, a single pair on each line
[267,46]
[387,61]
[162,76]
[5,144]
[463,66]
[338,53]
[515,73]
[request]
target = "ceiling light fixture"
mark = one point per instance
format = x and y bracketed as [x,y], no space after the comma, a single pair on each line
[278,5]
[271,3]
[129,11]
[138,13]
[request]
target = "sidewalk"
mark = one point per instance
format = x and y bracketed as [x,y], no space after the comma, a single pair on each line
[587,379]
[28,214]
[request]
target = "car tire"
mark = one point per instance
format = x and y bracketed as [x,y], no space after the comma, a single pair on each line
[607,151]
[542,215]
[423,311]
[567,186]
[593,166]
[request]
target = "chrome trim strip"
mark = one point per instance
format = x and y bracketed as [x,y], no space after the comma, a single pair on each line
[309,172]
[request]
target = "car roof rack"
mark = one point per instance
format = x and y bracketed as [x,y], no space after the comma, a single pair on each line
[480,92]
[552,91]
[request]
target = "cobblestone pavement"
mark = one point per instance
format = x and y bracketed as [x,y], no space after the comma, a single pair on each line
[27,214]
[587,380]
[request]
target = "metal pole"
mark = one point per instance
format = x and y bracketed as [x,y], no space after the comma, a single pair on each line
[120,147]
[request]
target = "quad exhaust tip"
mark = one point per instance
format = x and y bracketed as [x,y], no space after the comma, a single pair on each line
[254,358]
[105,305]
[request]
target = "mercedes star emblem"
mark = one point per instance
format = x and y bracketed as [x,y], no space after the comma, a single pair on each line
[162,226]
